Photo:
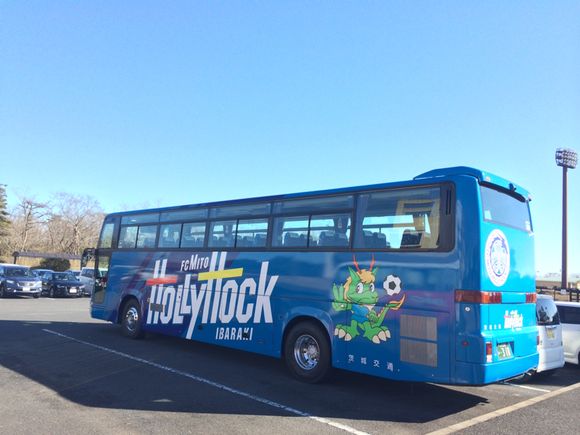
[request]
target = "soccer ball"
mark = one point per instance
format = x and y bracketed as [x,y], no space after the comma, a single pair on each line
[392,285]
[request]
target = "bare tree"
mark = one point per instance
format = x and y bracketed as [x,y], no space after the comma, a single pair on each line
[74,223]
[66,224]
[27,221]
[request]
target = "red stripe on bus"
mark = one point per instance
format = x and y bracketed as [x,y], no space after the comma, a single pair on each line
[163,280]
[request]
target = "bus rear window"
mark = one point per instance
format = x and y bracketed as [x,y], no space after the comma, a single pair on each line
[505,209]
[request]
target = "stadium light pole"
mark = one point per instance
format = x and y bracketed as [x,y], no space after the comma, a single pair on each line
[566,158]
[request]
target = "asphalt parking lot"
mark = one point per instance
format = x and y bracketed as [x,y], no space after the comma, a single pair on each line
[63,372]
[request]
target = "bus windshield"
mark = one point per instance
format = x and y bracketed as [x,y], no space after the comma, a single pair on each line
[505,209]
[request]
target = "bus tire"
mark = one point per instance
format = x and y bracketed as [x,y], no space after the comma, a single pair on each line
[307,352]
[131,324]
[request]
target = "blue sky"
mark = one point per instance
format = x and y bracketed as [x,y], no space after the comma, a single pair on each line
[144,104]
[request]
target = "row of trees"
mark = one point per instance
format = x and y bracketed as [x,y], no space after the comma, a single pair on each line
[64,224]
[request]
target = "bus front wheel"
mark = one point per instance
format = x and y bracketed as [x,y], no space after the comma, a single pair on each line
[131,324]
[307,352]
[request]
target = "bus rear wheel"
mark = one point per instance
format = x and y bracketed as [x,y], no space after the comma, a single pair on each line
[307,352]
[131,324]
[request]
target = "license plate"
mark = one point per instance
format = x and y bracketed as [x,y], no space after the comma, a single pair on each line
[25,289]
[73,290]
[504,351]
[550,333]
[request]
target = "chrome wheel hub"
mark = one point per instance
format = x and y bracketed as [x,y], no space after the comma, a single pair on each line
[306,352]
[131,319]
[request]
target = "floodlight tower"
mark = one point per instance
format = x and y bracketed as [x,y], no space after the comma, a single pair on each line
[566,158]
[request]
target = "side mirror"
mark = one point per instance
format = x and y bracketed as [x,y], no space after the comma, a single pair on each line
[88,255]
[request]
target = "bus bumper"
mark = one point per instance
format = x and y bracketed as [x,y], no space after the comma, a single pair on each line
[480,374]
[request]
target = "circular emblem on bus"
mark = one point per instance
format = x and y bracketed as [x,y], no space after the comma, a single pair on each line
[497,257]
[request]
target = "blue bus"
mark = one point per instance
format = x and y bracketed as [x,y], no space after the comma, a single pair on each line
[430,279]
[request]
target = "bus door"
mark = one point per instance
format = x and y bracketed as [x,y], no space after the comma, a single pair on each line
[107,241]
[102,263]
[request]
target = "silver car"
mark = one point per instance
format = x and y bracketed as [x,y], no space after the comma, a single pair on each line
[87,277]
[19,280]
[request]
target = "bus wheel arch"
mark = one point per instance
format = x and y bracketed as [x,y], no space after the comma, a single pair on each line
[130,318]
[306,350]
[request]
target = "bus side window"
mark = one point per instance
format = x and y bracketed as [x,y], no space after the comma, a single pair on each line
[147,236]
[399,219]
[330,230]
[128,237]
[378,225]
[290,232]
[193,235]
[252,233]
[169,236]
[221,234]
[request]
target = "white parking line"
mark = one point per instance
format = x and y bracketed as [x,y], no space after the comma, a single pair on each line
[503,411]
[215,384]
[527,387]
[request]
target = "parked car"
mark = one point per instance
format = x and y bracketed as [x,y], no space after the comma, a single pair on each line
[87,277]
[61,284]
[76,273]
[550,346]
[40,272]
[18,280]
[570,319]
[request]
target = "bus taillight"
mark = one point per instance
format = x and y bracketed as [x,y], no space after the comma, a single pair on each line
[488,352]
[531,298]
[478,297]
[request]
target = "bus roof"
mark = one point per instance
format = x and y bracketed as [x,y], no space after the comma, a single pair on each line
[482,176]
[437,175]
